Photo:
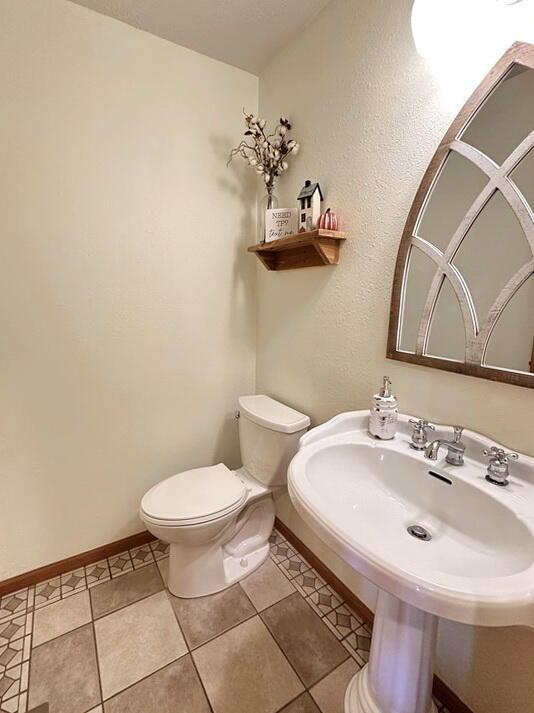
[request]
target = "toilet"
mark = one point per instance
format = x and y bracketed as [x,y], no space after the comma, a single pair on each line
[218,521]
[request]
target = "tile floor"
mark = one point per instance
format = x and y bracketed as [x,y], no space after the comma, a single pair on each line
[109,638]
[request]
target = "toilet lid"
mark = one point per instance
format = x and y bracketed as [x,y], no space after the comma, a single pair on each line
[195,495]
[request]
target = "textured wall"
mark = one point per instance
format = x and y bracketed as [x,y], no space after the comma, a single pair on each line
[369,114]
[120,363]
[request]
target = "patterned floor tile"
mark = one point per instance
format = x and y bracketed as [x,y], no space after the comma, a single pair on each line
[14,681]
[359,643]
[343,621]
[120,564]
[281,552]
[276,538]
[324,600]
[294,566]
[73,582]
[159,549]
[15,604]
[142,556]
[47,592]
[97,573]
[14,653]
[308,582]
[15,628]
[17,704]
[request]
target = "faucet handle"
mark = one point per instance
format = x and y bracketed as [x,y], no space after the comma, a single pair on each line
[498,471]
[458,430]
[498,455]
[419,434]
[421,423]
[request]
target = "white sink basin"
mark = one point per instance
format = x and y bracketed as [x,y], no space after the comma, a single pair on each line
[361,495]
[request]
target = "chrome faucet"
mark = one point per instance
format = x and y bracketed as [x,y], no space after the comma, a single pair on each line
[498,467]
[456,448]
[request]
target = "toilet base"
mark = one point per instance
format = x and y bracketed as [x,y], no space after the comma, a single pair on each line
[197,570]
[234,569]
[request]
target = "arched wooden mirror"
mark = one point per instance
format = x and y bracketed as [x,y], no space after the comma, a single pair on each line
[463,293]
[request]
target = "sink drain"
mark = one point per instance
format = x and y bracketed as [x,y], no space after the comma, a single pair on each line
[419,532]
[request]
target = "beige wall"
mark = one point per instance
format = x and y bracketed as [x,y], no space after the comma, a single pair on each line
[369,114]
[126,318]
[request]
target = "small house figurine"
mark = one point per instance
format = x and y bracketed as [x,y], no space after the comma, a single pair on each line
[309,199]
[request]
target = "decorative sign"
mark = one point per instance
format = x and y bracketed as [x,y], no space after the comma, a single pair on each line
[280,222]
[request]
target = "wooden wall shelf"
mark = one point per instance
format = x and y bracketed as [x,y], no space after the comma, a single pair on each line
[317,247]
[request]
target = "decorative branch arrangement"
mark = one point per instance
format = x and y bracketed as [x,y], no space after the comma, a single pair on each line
[266,153]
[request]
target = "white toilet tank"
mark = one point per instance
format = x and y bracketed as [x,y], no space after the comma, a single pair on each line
[269,434]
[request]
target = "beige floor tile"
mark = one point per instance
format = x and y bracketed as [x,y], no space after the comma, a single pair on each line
[309,645]
[163,566]
[174,689]
[136,641]
[329,694]
[302,704]
[59,618]
[98,709]
[129,588]
[64,673]
[267,585]
[203,618]
[244,671]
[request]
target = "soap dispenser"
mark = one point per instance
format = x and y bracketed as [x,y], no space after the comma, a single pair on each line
[384,414]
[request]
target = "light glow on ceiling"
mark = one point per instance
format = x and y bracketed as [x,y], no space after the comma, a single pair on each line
[462,39]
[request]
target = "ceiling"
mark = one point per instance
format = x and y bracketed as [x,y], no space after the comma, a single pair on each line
[244,33]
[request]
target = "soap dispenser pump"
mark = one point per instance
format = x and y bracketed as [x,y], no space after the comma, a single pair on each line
[384,414]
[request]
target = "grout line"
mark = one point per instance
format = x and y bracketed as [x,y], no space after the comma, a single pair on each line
[144,678]
[32,614]
[96,651]
[189,652]
[225,631]
[141,599]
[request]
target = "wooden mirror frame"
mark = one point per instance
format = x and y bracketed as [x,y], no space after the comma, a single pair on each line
[520,53]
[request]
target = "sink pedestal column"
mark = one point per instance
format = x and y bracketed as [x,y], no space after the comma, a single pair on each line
[398,677]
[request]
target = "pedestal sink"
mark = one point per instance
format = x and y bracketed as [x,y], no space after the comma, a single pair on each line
[438,540]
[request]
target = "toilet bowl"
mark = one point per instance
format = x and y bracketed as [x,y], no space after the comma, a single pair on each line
[218,521]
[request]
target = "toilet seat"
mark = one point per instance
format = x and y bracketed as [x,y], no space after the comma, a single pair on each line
[194,497]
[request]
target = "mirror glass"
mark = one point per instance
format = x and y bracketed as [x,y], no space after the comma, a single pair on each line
[421,270]
[509,110]
[468,289]
[447,343]
[511,345]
